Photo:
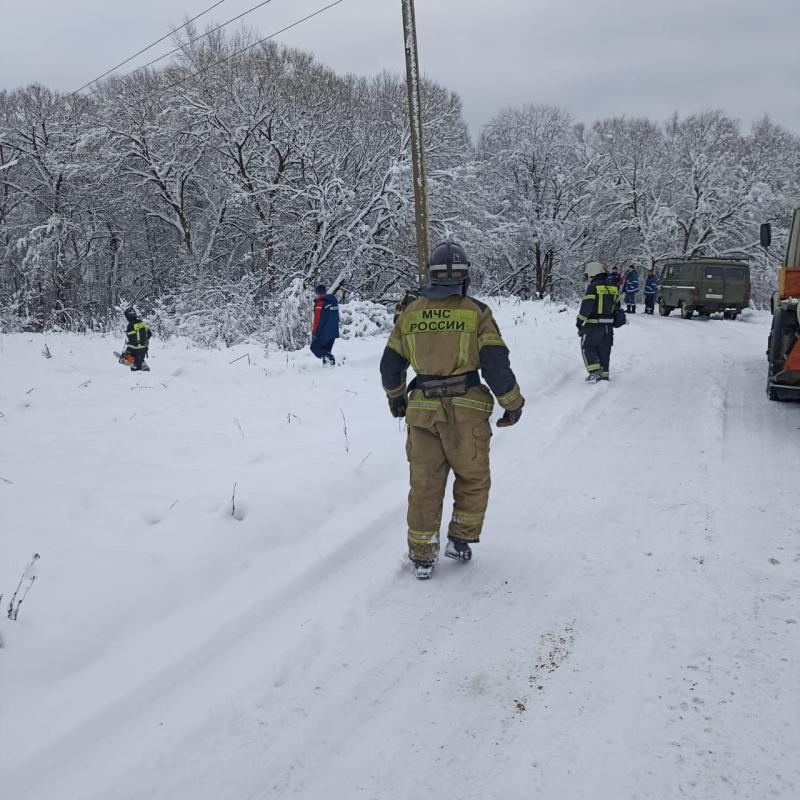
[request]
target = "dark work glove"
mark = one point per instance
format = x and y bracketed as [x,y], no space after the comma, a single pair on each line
[510,418]
[580,329]
[398,405]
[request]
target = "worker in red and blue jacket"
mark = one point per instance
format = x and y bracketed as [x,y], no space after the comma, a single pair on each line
[630,288]
[650,292]
[325,326]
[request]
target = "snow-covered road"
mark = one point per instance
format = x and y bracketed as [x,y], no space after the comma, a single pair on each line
[628,628]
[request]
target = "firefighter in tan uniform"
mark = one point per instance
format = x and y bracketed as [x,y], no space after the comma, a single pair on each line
[449,339]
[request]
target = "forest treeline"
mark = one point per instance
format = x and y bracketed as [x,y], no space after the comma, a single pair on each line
[214,195]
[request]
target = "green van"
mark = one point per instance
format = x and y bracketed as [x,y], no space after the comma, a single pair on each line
[705,286]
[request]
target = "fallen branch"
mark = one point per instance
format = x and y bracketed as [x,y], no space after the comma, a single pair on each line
[22,599]
[246,355]
[233,501]
[28,573]
[344,424]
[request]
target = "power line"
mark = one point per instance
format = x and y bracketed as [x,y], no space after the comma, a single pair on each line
[196,39]
[149,47]
[243,50]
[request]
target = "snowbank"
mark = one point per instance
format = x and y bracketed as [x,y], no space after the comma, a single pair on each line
[223,607]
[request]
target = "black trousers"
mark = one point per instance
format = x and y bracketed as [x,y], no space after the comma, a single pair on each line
[321,348]
[596,344]
[139,355]
[649,303]
[630,302]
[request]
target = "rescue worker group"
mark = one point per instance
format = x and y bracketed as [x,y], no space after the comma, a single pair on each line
[453,345]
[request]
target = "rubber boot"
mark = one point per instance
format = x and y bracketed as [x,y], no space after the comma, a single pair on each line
[457,549]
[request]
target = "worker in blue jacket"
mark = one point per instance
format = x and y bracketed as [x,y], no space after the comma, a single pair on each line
[630,288]
[650,292]
[325,325]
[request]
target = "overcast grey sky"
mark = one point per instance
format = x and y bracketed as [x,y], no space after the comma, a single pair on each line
[593,57]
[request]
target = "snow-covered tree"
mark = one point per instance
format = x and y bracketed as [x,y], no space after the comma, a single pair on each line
[533,166]
[217,190]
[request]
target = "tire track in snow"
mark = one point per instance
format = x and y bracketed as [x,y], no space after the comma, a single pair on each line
[359,681]
[657,625]
[253,619]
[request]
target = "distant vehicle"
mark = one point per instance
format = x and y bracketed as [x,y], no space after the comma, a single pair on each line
[783,347]
[704,286]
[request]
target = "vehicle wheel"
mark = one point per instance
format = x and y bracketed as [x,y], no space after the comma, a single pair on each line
[775,353]
[726,314]
[771,392]
[664,309]
[686,311]
[733,316]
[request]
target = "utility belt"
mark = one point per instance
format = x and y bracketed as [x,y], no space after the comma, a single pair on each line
[436,386]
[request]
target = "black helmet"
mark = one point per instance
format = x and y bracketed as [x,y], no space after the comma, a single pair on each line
[130,314]
[448,271]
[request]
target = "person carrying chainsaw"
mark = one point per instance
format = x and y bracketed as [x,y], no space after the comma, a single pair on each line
[138,334]
[451,341]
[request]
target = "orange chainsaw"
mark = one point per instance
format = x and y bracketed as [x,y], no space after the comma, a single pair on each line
[126,358]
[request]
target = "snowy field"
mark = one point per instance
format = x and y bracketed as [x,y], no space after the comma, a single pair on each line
[628,628]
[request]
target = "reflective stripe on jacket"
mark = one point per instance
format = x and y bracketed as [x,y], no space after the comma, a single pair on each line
[599,302]
[631,282]
[447,337]
[138,335]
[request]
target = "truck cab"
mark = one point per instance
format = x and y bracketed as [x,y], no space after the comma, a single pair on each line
[783,347]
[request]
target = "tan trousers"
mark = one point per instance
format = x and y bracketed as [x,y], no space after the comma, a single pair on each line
[462,446]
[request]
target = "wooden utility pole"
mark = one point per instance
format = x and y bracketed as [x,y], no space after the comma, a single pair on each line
[417,140]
